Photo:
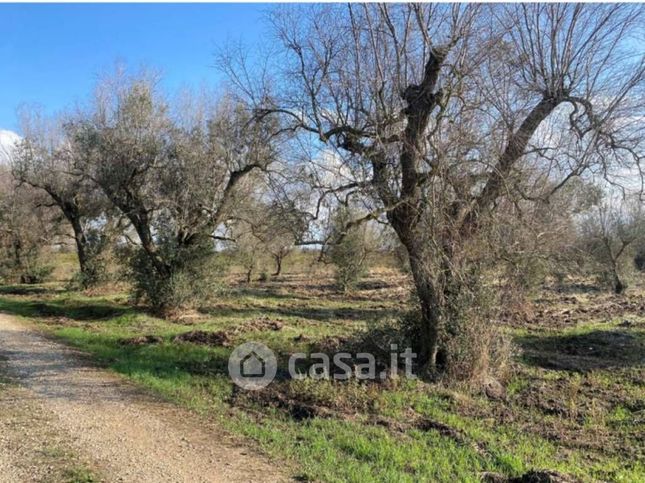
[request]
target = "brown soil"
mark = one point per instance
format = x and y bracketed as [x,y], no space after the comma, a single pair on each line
[561,311]
[220,338]
[142,340]
[201,337]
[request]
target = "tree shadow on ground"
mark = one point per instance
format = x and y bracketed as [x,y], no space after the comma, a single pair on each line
[574,288]
[322,314]
[598,349]
[267,292]
[30,290]
[85,311]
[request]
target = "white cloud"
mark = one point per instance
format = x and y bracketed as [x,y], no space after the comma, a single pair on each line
[8,142]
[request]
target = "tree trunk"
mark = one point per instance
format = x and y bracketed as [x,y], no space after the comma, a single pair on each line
[619,286]
[430,312]
[426,286]
[81,245]
[17,252]
[72,214]
[278,265]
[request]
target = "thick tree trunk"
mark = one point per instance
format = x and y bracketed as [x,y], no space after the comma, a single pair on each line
[435,276]
[430,311]
[403,221]
[149,247]
[72,213]
[81,245]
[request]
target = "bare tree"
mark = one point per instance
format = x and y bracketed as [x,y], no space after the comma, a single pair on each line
[439,112]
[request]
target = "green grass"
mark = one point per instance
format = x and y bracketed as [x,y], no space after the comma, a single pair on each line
[79,475]
[348,444]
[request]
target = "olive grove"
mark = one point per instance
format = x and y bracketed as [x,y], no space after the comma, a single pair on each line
[474,133]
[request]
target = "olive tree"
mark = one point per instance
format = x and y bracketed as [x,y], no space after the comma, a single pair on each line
[27,227]
[529,242]
[439,112]
[282,229]
[45,160]
[265,228]
[175,176]
[248,249]
[609,230]
[348,249]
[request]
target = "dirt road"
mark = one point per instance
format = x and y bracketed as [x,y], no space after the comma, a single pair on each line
[124,434]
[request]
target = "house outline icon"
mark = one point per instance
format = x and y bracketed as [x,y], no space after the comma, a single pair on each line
[252,365]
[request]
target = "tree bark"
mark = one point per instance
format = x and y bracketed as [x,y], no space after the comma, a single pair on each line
[81,245]
[619,285]
[404,222]
[278,265]
[431,313]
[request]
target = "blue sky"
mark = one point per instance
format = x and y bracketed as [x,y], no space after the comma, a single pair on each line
[51,54]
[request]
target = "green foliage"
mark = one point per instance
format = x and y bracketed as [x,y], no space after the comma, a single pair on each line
[24,232]
[249,254]
[35,272]
[80,475]
[349,250]
[191,276]
[471,345]
[24,266]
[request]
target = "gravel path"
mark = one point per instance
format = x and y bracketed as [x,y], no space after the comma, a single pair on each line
[32,447]
[127,435]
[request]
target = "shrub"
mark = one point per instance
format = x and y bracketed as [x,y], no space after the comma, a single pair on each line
[94,274]
[192,277]
[36,274]
[264,276]
[470,345]
[28,268]
[349,251]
